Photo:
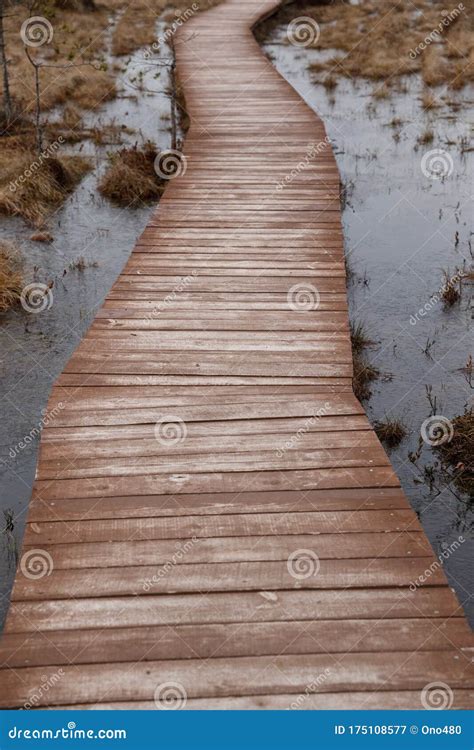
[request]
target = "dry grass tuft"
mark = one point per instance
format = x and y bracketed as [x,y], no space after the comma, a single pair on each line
[43,187]
[11,277]
[390,431]
[131,180]
[359,337]
[458,453]
[426,137]
[451,289]
[364,374]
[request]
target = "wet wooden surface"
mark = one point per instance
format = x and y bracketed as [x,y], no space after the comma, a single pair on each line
[212,508]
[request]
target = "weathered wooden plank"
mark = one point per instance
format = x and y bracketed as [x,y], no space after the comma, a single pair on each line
[241,676]
[207,641]
[123,611]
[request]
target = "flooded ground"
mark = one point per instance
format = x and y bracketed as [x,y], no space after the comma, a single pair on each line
[92,241]
[403,228]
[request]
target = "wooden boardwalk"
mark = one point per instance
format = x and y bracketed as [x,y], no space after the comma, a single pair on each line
[213,518]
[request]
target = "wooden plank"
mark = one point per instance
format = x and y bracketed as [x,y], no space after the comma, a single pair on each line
[240,676]
[220,504]
[378,523]
[107,574]
[123,611]
[189,550]
[208,641]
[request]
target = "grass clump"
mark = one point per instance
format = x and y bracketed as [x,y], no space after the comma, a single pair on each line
[32,188]
[451,289]
[390,431]
[363,374]
[11,277]
[359,337]
[457,454]
[426,137]
[131,179]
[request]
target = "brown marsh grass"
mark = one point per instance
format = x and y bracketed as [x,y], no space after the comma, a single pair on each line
[130,179]
[11,276]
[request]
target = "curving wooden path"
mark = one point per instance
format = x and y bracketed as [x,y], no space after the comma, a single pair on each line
[255,547]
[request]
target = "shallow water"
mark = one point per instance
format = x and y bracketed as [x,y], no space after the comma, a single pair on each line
[35,347]
[402,229]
